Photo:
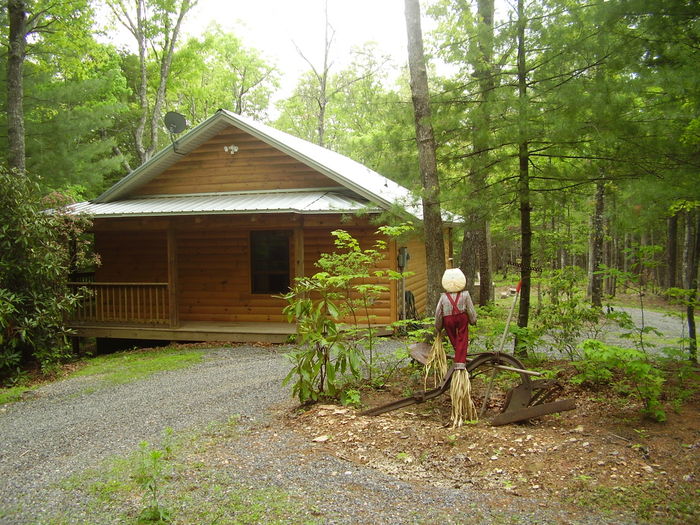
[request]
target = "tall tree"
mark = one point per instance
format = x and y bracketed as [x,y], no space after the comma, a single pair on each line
[155,26]
[691,249]
[18,30]
[432,218]
[357,104]
[483,66]
[523,173]
[62,97]
[320,88]
[216,70]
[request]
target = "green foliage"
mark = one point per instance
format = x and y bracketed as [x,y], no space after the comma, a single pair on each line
[320,356]
[326,356]
[38,250]
[642,261]
[351,397]
[149,475]
[566,314]
[129,366]
[216,70]
[526,339]
[486,335]
[190,487]
[629,370]
[74,95]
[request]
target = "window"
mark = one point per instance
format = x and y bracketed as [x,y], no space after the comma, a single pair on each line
[269,261]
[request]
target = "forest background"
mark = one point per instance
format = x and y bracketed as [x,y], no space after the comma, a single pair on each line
[567,132]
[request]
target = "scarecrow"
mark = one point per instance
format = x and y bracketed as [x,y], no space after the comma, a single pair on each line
[454,313]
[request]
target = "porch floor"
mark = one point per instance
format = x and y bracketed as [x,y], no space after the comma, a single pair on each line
[191,331]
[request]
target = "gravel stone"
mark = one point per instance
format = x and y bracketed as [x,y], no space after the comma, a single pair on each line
[75,424]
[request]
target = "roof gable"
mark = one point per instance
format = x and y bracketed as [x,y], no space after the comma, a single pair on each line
[150,177]
[235,161]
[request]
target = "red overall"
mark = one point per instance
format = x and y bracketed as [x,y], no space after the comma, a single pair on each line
[457,327]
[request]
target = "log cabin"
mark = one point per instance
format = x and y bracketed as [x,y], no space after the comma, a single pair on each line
[197,243]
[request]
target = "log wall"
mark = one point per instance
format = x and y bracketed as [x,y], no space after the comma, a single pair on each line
[319,240]
[255,166]
[213,260]
[418,282]
[132,256]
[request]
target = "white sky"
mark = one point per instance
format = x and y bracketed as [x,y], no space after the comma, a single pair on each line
[274,26]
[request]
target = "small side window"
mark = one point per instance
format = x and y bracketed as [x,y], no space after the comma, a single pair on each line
[269,261]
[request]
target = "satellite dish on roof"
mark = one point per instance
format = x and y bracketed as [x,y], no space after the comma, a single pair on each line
[175,122]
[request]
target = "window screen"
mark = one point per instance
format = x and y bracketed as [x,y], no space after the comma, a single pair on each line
[269,261]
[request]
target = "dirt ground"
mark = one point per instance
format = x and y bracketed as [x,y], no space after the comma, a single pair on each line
[603,455]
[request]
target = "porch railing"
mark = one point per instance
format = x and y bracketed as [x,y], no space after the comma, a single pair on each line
[138,303]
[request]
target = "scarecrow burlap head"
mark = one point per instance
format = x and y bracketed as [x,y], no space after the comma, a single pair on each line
[453,280]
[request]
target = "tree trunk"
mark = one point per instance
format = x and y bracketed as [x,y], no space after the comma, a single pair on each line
[597,227]
[523,183]
[171,36]
[148,125]
[17,14]
[432,219]
[142,90]
[671,250]
[691,254]
[467,259]
[323,83]
[483,71]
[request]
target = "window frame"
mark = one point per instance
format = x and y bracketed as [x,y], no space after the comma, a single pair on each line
[257,266]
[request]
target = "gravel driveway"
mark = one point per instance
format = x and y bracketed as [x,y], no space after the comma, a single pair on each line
[71,425]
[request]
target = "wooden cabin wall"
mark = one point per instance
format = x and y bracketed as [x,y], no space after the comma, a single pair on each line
[132,256]
[214,279]
[318,240]
[418,282]
[213,260]
[255,166]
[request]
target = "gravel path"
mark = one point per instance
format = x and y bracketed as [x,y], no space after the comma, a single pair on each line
[72,425]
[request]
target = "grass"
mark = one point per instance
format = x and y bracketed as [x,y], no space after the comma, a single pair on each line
[118,368]
[13,393]
[646,501]
[194,486]
[134,365]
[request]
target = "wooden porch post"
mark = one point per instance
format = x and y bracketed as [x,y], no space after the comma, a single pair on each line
[173,307]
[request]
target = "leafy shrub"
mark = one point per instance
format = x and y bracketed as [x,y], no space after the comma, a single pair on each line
[320,356]
[37,251]
[326,357]
[567,314]
[627,368]
[149,475]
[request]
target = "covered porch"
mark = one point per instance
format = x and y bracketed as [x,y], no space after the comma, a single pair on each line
[205,278]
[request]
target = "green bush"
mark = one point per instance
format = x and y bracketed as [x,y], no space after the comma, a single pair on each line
[627,369]
[38,249]
[327,357]
[567,314]
[320,357]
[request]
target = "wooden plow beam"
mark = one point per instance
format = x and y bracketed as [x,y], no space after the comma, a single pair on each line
[502,388]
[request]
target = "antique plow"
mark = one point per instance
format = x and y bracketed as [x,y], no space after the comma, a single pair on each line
[502,389]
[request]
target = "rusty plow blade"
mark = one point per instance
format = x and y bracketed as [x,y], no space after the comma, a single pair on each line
[532,399]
